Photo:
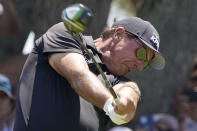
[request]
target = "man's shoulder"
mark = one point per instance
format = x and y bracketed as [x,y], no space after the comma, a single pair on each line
[58,28]
[58,33]
[88,38]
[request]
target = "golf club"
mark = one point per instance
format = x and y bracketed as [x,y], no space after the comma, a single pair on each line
[76,19]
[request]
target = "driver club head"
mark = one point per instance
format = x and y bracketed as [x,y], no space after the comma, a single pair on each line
[77,17]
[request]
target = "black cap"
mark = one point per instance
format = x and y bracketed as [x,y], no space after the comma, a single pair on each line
[145,31]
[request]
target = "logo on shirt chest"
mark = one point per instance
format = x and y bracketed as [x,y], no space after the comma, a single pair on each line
[87,57]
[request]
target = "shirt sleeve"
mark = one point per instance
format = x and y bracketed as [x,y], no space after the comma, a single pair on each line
[58,40]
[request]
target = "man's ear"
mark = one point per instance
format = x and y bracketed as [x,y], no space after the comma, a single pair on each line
[119,31]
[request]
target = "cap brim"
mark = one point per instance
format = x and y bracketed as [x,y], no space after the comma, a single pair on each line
[8,93]
[158,62]
[147,44]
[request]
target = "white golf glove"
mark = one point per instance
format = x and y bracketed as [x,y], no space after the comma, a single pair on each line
[109,110]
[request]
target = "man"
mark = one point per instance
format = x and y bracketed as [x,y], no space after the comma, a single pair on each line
[61,89]
[192,121]
[187,102]
[7,105]
[189,121]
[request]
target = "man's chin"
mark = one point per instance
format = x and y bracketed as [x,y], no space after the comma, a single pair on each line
[119,73]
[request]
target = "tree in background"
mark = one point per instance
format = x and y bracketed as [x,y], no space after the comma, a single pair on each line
[9,24]
[39,15]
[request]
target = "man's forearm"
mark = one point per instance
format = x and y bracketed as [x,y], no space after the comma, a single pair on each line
[88,86]
[74,68]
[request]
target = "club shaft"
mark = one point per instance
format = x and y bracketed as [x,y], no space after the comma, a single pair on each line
[100,70]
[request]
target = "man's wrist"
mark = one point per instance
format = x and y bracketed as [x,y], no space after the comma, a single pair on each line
[135,88]
[109,110]
[107,105]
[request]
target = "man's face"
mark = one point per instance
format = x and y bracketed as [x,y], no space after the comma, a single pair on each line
[192,83]
[5,106]
[123,56]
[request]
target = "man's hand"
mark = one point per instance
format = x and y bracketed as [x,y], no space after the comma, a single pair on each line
[109,110]
[129,95]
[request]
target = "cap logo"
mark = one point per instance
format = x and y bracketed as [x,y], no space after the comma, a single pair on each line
[155,41]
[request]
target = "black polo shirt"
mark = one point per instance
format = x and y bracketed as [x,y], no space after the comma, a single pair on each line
[46,101]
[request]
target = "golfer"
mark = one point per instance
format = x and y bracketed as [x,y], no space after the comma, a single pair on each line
[61,89]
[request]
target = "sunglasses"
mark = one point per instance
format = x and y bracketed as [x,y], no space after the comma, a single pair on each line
[141,54]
